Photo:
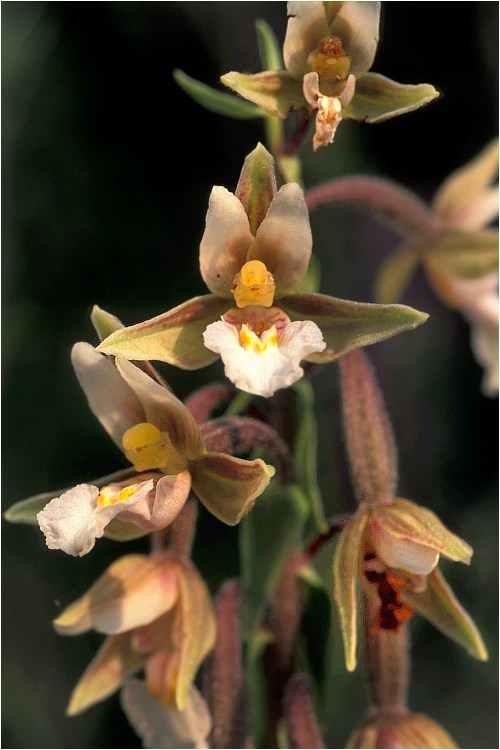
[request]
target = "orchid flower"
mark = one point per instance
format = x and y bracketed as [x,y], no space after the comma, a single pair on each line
[157,613]
[460,256]
[160,438]
[400,728]
[329,49]
[391,546]
[254,255]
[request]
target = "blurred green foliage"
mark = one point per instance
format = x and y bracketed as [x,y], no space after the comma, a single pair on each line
[107,168]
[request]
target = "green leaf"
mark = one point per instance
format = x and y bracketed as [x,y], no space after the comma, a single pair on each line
[316,622]
[464,255]
[377,98]
[268,536]
[394,274]
[216,101]
[269,49]
[276,92]
[256,685]
[25,511]
[349,325]
[305,452]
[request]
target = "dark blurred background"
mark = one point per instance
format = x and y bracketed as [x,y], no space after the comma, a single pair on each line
[107,169]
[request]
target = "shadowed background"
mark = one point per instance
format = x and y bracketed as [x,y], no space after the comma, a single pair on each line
[107,169]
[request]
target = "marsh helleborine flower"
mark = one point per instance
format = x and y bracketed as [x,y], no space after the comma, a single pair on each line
[391,546]
[254,254]
[329,49]
[157,613]
[460,256]
[163,442]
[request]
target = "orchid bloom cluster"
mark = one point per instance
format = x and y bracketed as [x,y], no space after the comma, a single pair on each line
[266,320]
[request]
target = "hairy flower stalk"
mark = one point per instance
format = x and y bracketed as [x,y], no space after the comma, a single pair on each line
[224,681]
[301,725]
[391,546]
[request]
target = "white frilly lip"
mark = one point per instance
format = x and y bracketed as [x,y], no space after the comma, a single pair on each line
[276,365]
[73,521]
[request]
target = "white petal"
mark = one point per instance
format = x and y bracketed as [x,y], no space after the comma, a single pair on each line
[484,343]
[264,372]
[306,28]
[109,397]
[162,726]
[357,24]
[403,554]
[73,521]
[225,242]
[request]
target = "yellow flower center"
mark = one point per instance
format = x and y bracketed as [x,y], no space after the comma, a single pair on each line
[254,285]
[109,496]
[249,340]
[331,64]
[146,447]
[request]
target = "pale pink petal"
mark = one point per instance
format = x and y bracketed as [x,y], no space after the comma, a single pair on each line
[465,189]
[109,397]
[306,27]
[135,590]
[164,726]
[163,410]
[161,505]
[284,241]
[225,242]
[357,25]
[484,343]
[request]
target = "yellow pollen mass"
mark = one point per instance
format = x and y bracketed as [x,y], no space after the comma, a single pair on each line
[108,496]
[254,272]
[140,435]
[254,285]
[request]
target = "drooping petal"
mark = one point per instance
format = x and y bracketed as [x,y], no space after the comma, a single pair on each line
[134,591]
[407,522]
[174,337]
[225,242]
[464,200]
[346,562]
[228,486]
[438,604]
[165,726]
[274,91]
[256,187]
[114,662]
[394,274]
[283,241]
[357,25]
[161,506]
[377,98]
[194,627]
[348,325]
[164,410]
[109,397]
[306,27]
[73,521]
